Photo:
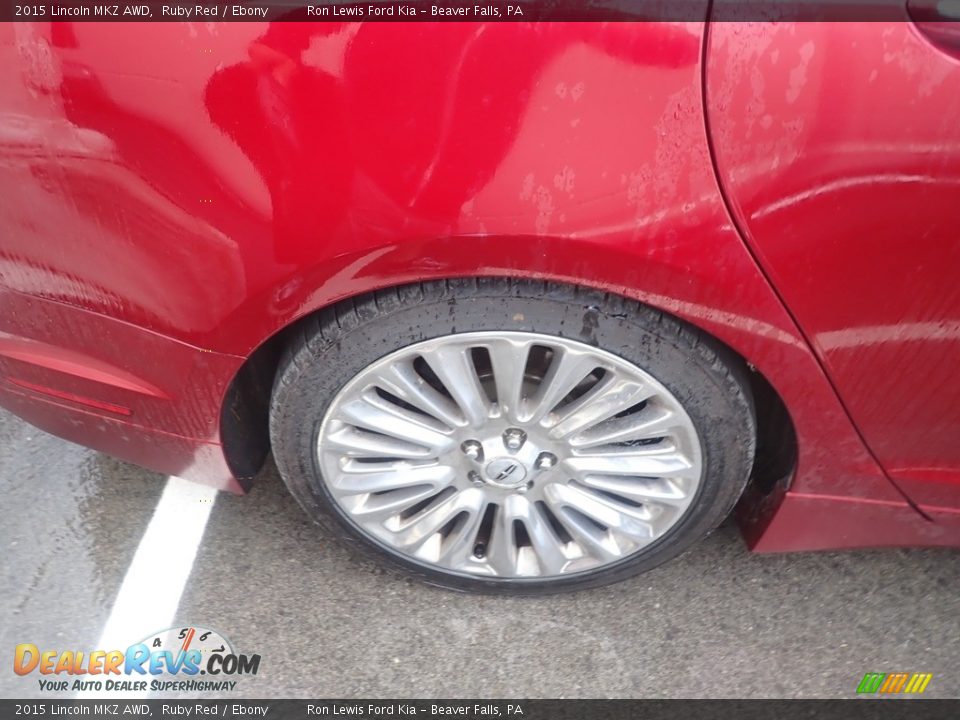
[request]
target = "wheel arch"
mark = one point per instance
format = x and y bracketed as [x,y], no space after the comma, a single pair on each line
[244,416]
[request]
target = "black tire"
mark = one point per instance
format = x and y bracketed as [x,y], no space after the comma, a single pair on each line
[331,347]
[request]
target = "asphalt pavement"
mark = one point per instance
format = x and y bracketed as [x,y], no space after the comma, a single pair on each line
[718,622]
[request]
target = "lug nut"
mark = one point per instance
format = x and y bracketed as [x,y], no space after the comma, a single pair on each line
[514,438]
[475,477]
[545,461]
[473,450]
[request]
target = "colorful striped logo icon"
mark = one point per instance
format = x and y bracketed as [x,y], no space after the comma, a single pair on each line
[891,683]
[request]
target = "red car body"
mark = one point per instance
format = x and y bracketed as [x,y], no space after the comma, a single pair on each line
[175,196]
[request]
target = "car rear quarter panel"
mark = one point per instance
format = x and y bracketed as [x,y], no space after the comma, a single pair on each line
[839,147]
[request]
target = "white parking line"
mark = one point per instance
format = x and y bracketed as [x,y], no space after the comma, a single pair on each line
[150,594]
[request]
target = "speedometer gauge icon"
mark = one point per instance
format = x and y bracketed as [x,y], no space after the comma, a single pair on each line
[187,638]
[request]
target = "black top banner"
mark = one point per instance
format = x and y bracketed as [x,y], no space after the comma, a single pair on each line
[482,11]
[237,709]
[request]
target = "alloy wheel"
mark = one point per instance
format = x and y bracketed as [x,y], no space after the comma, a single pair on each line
[509,455]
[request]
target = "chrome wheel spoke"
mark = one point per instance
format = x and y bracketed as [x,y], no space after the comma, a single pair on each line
[509,360]
[502,551]
[454,367]
[545,545]
[633,522]
[383,477]
[567,370]
[609,397]
[593,541]
[650,423]
[659,491]
[372,412]
[382,508]
[402,380]
[457,549]
[354,442]
[509,455]
[638,463]
[416,532]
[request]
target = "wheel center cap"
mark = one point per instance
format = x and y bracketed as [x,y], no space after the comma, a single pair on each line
[505,472]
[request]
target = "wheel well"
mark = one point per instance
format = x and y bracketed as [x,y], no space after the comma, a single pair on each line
[244,417]
[245,414]
[776,455]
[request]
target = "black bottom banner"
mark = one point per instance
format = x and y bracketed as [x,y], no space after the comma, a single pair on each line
[476,709]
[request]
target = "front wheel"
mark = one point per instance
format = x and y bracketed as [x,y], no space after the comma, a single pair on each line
[511,436]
